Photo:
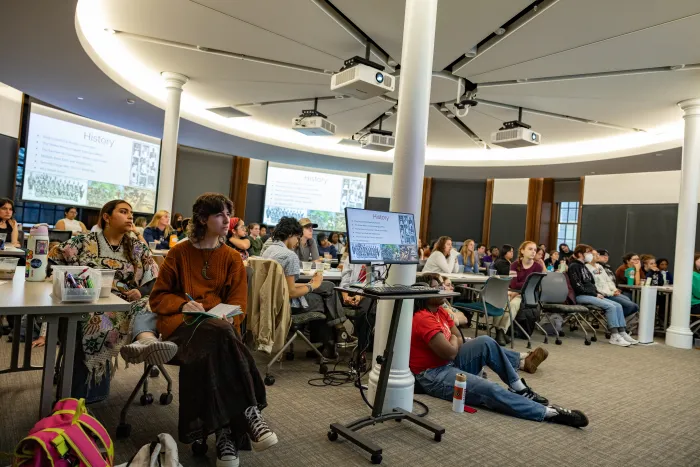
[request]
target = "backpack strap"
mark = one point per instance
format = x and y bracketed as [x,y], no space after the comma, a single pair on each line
[26,450]
[95,427]
[82,446]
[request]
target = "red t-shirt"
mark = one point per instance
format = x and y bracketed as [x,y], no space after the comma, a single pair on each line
[425,326]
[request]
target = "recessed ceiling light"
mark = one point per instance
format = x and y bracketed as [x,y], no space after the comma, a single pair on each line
[130,101]
[500,31]
[80,98]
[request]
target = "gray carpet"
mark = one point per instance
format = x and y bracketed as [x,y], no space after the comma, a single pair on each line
[643,404]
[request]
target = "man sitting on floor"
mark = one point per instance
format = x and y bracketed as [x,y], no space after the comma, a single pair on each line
[438,354]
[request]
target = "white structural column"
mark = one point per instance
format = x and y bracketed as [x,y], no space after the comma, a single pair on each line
[168,151]
[679,334]
[407,183]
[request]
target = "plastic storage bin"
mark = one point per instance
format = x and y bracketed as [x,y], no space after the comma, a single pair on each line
[67,294]
[8,266]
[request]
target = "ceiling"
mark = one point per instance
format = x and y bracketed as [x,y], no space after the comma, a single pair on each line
[58,65]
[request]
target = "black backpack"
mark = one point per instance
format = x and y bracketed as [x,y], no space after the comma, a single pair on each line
[527,317]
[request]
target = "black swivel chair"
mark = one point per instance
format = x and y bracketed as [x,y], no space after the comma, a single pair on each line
[554,292]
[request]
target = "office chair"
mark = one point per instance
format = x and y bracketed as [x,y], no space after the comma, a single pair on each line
[554,292]
[492,301]
[530,299]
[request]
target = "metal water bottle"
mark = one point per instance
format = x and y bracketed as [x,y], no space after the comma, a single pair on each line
[37,253]
[459,393]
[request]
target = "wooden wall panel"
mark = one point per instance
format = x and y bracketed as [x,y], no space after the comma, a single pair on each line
[238,190]
[488,209]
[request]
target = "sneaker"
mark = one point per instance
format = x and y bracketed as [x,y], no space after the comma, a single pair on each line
[152,351]
[530,394]
[226,451]
[629,338]
[574,418]
[534,359]
[260,433]
[616,339]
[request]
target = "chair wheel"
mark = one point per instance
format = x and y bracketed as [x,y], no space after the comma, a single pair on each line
[438,437]
[607,335]
[546,340]
[147,399]
[123,431]
[269,380]
[323,369]
[529,344]
[289,356]
[155,372]
[377,459]
[332,435]
[199,447]
[587,342]
[166,398]
[594,339]
[558,341]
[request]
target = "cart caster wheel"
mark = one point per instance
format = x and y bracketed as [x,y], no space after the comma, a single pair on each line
[377,459]
[199,447]
[594,339]
[332,436]
[558,341]
[147,399]
[166,398]
[323,369]
[289,356]
[269,380]
[123,431]
[155,372]
[587,342]
[607,335]
[438,437]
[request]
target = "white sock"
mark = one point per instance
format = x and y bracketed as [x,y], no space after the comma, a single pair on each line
[550,412]
[615,335]
[518,385]
[523,356]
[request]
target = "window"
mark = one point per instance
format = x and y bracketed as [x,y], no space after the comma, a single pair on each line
[568,223]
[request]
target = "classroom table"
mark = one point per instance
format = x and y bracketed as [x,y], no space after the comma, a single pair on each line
[665,289]
[159,252]
[333,275]
[12,251]
[35,299]
[460,277]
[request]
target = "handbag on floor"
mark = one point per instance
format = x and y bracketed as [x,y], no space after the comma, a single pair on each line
[67,437]
[160,453]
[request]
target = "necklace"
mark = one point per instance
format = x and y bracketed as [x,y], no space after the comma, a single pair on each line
[115,249]
[206,258]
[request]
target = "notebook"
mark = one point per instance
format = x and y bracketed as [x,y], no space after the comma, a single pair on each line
[221,311]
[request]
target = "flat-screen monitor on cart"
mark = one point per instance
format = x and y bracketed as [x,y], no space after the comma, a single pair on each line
[378,237]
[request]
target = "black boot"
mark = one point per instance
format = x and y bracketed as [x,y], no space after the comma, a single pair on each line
[507,336]
[501,337]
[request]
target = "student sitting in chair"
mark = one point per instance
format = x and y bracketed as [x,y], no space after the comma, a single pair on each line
[607,288]
[442,260]
[502,263]
[438,354]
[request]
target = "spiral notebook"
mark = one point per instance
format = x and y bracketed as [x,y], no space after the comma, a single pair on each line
[221,311]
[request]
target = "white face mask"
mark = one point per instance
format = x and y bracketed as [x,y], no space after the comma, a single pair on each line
[588,257]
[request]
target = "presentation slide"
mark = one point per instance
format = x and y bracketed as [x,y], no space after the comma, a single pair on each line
[322,196]
[76,161]
[382,237]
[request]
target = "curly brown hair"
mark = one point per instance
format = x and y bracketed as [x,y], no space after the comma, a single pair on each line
[205,205]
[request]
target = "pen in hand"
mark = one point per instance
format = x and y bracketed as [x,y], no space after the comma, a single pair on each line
[189,297]
[192,305]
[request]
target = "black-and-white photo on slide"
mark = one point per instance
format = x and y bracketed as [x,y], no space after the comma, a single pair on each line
[52,188]
[144,163]
[353,194]
[407,230]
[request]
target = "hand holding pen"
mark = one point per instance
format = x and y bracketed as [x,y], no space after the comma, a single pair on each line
[192,305]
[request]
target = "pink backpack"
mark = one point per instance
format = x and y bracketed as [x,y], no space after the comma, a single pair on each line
[68,437]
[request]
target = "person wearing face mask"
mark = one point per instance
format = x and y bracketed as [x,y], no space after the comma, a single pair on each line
[605,285]
[584,288]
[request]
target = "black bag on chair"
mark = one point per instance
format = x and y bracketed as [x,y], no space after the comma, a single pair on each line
[527,318]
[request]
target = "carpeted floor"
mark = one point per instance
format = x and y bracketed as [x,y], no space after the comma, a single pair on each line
[643,404]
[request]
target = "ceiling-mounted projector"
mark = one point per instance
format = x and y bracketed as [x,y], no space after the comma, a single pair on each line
[313,123]
[378,140]
[363,79]
[515,134]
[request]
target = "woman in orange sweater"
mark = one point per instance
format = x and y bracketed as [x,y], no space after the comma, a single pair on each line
[221,390]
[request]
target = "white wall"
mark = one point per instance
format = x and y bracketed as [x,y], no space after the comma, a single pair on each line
[257,175]
[10,111]
[633,188]
[510,190]
[380,186]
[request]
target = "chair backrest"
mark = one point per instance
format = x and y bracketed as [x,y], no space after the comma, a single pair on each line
[553,288]
[531,289]
[495,291]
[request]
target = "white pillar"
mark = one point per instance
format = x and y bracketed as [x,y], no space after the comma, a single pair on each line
[679,334]
[407,187]
[168,151]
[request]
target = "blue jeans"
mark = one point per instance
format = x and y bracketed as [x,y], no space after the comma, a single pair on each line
[628,306]
[144,322]
[613,310]
[472,357]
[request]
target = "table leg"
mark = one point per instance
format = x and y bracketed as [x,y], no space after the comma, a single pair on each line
[667,300]
[49,360]
[387,359]
[14,358]
[28,336]
[68,356]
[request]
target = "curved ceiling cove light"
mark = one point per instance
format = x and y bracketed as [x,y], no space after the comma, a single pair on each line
[116,54]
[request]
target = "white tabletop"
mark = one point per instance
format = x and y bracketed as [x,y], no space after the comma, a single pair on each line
[12,251]
[663,288]
[462,278]
[20,297]
[159,252]
[331,274]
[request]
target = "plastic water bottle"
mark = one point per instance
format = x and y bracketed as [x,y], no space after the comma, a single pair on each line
[37,253]
[459,393]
